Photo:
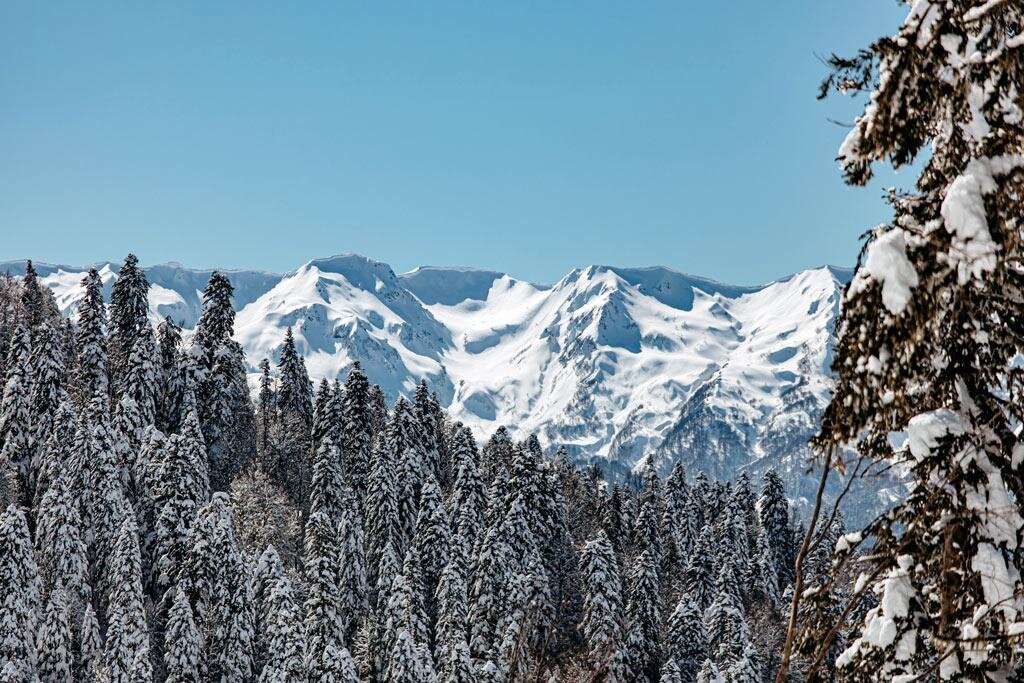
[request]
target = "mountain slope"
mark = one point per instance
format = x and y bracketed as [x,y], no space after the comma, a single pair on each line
[614,363]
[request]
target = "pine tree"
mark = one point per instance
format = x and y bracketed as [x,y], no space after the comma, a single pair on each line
[20,591]
[55,653]
[183,643]
[129,310]
[686,639]
[91,368]
[603,604]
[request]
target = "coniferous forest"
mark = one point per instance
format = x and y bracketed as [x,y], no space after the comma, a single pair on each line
[166,519]
[165,523]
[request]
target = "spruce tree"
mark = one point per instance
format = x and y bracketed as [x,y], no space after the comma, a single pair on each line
[142,375]
[171,392]
[20,590]
[56,453]
[357,430]
[222,393]
[383,528]
[48,379]
[709,673]
[352,569]
[406,447]
[265,418]
[180,487]
[90,647]
[127,642]
[324,626]
[326,482]
[129,311]
[746,669]
[16,415]
[643,613]
[773,517]
[469,496]
[182,643]
[285,635]
[55,650]
[603,605]
[728,634]
[32,297]
[432,541]
[686,639]
[929,331]
[454,661]
[214,576]
[62,553]
[90,332]
[699,576]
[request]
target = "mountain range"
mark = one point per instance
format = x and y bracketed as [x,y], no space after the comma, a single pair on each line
[616,364]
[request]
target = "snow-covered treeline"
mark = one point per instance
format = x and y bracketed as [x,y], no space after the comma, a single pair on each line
[162,524]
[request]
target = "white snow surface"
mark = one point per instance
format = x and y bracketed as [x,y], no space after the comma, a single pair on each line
[887,263]
[615,363]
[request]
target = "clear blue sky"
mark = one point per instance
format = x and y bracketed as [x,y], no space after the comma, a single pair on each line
[529,137]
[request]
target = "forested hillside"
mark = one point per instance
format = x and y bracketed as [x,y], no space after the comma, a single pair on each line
[162,525]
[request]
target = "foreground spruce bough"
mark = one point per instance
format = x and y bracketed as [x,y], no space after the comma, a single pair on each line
[930,339]
[163,525]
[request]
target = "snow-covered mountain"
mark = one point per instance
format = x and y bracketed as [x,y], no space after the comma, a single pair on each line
[615,363]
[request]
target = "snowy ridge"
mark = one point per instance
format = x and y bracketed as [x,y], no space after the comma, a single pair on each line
[615,363]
